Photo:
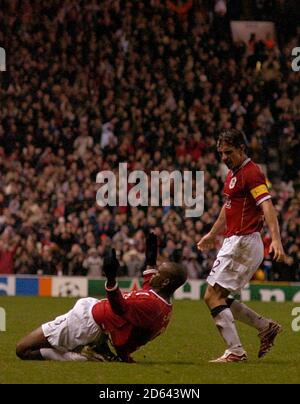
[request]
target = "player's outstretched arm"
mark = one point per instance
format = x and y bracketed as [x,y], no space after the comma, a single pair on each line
[114,295]
[110,267]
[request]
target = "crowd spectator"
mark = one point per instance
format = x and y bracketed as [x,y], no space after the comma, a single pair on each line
[99,83]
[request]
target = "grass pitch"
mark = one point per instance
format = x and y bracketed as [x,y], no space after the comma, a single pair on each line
[180,355]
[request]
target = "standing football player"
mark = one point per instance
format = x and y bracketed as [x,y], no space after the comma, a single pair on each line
[247,204]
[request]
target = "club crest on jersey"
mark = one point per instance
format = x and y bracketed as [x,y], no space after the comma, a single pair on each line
[228,204]
[232,183]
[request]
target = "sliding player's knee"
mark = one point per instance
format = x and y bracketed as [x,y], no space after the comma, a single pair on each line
[21,351]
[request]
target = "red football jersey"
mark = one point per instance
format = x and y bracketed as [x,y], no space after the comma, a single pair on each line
[245,189]
[132,319]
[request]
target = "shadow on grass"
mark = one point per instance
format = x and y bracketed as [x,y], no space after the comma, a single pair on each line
[183,363]
[203,362]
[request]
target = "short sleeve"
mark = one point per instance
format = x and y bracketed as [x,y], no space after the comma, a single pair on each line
[257,184]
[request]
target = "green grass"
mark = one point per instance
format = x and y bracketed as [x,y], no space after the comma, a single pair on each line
[180,355]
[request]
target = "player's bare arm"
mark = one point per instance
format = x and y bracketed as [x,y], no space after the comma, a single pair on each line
[208,241]
[271,218]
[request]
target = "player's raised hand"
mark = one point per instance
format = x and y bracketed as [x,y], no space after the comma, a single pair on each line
[207,242]
[151,250]
[110,264]
[276,251]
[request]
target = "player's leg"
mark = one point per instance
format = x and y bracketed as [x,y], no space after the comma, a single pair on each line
[222,280]
[243,313]
[62,355]
[35,346]
[69,332]
[215,298]
[28,348]
[268,329]
[250,255]
[52,341]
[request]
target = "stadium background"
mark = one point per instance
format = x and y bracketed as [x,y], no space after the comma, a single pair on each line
[90,84]
[93,83]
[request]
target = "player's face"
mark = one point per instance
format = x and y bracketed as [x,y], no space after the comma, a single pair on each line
[155,281]
[231,156]
[158,279]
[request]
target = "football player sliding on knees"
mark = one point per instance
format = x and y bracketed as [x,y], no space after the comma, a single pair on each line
[110,329]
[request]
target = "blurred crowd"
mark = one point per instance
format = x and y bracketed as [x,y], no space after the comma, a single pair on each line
[93,83]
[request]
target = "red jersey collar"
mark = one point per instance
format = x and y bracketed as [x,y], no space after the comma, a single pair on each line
[161,298]
[248,159]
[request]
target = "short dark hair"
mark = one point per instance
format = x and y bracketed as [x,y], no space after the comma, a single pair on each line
[233,137]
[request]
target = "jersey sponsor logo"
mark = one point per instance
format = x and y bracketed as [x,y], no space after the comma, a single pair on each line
[258,191]
[232,182]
